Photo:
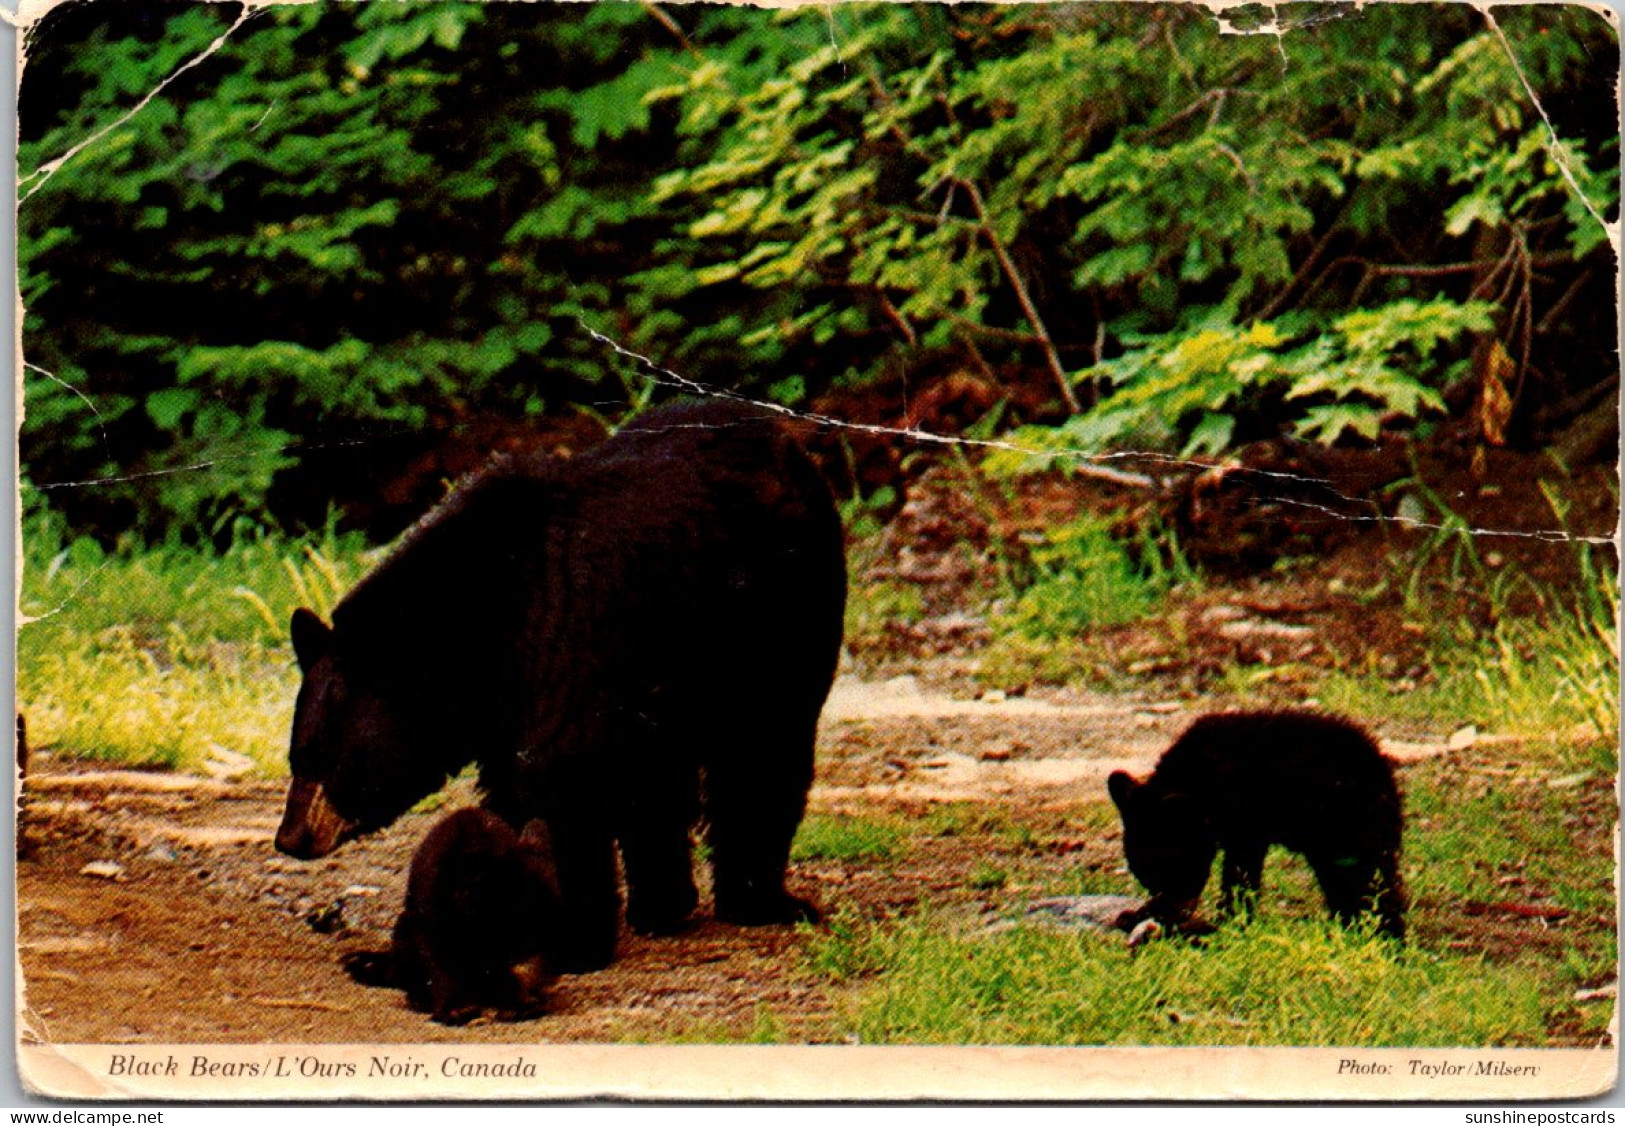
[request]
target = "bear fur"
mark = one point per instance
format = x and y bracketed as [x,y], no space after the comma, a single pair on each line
[482,908]
[622,641]
[1238,783]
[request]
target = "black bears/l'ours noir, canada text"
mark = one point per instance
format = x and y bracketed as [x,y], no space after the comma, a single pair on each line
[610,636]
[482,909]
[1238,783]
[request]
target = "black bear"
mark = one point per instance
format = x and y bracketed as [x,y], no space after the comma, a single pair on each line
[1238,783]
[629,638]
[482,908]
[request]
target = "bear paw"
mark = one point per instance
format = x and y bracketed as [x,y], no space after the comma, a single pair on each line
[766,910]
[457,1014]
[370,967]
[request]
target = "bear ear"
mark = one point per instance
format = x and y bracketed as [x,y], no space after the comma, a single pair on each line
[1120,784]
[312,638]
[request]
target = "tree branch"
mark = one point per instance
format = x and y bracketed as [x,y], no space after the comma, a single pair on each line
[1006,264]
[1028,309]
[665,21]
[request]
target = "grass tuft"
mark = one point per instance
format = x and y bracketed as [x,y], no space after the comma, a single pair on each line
[172,654]
[845,838]
[1273,982]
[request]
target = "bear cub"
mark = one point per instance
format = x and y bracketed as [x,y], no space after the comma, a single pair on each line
[1238,783]
[481,909]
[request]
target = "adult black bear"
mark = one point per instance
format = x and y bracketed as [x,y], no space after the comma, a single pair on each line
[482,909]
[1239,783]
[609,636]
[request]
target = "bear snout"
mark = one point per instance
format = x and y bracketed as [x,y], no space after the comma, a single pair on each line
[311,828]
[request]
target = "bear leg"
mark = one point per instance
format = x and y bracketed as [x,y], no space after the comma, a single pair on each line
[1241,875]
[751,832]
[447,1003]
[1355,885]
[589,894]
[757,776]
[1390,899]
[660,892]
[412,962]
[661,803]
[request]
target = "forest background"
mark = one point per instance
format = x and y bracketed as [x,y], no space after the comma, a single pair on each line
[353,232]
[1258,355]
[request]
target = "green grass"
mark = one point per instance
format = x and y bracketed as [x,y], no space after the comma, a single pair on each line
[1084,577]
[1512,829]
[1014,661]
[871,608]
[1280,982]
[842,837]
[1552,672]
[1079,578]
[1547,663]
[169,655]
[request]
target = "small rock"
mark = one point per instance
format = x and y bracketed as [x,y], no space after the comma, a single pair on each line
[1253,628]
[1463,738]
[359,890]
[1153,664]
[995,754]
[956,622]
[1147,930]
[327,920]
[1601,994]
[901,686]
[161,852]
[103,869]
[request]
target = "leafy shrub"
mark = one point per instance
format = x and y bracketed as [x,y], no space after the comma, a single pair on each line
[1086,577]
[344,232]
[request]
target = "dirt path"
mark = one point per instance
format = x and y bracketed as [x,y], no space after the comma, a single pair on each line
[152,907]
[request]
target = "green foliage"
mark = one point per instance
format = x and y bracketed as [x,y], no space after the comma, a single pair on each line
[940,184]
[871,608]
[345,222]
[1347,378]
[331,224]
[1085,577]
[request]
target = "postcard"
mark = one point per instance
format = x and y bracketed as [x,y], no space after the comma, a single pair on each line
[889,551]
